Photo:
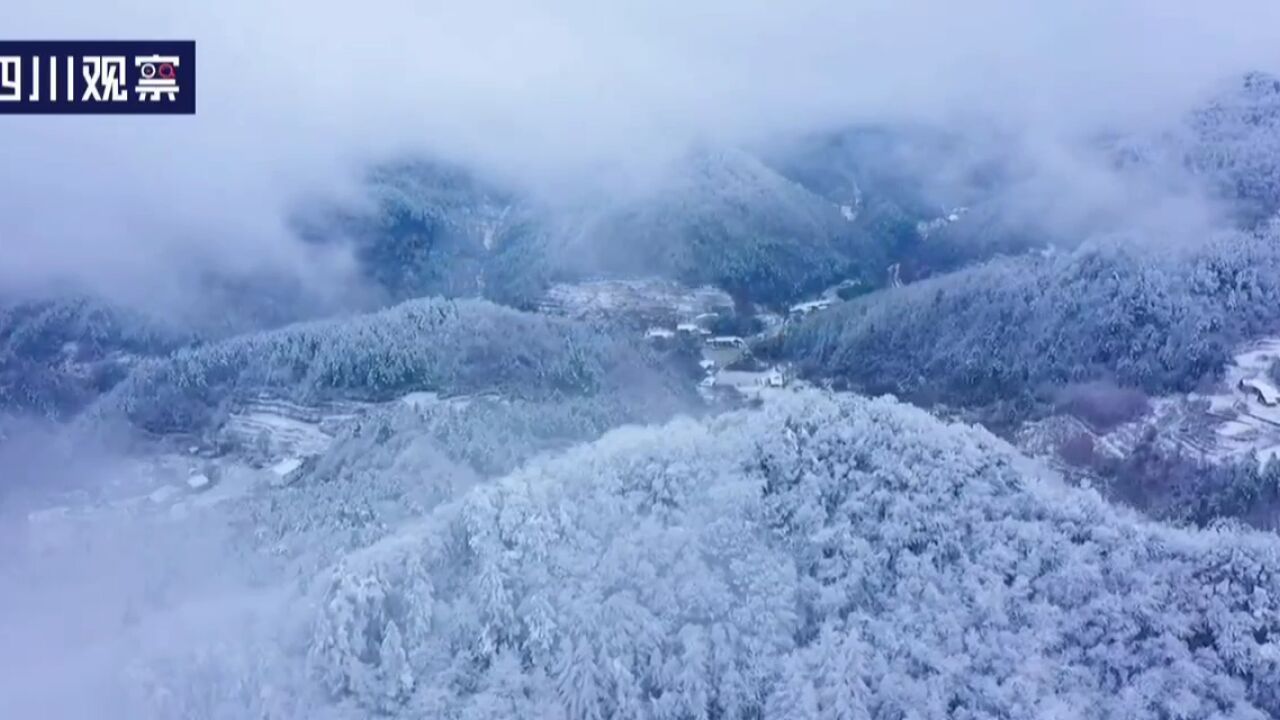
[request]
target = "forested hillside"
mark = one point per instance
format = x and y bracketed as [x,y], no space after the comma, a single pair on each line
[1012,331]
[726,219]
[433,229]
[593,445]
[1236,145]
[56,356]
[820,557]
[451,347]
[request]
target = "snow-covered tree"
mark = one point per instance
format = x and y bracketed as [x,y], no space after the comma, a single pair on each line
[451,347]
[1004,335]
[824,555]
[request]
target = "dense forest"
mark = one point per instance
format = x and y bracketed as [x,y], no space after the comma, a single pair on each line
[1013,331]
[450,347]
[57,356]
[822,557]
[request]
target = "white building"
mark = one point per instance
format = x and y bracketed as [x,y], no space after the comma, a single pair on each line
[689,328]
[727,342]
[806,308]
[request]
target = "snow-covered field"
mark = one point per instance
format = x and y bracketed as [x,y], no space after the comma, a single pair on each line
[1250,424]
[653,302]
[1228,423]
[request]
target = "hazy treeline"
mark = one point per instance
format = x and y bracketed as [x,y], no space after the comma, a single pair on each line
[1013,331]
[451,347]
[56,356]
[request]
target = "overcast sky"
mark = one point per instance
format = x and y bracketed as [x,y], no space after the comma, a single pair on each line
[295,97]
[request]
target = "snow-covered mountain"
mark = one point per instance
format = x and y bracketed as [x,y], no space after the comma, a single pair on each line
[818,556]
[629,458]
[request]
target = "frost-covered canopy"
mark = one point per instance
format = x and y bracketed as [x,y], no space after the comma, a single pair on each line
[452,347]
[1008,329]
[822,557]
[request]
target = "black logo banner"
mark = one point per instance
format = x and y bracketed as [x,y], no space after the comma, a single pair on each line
[97,77]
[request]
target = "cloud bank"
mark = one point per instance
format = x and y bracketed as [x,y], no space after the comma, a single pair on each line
[296,98]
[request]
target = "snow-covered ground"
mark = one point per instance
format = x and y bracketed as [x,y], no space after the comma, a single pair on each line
[277,431]
[1228,423]
[664,312]
[651,302]
[1249,425]
[264,442]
